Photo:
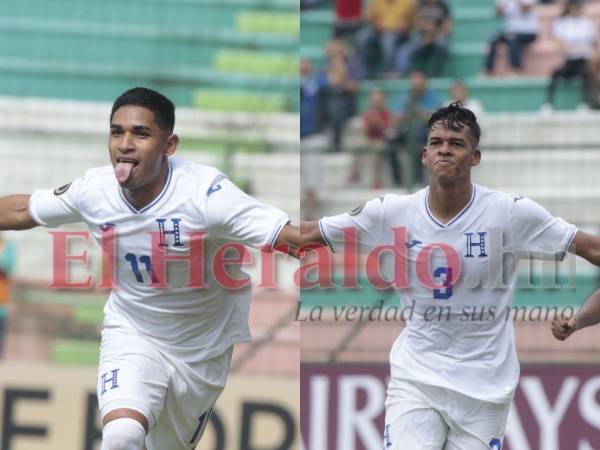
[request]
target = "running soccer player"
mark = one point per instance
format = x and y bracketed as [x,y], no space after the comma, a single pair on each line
[587,316]
[454,368]
[165,351]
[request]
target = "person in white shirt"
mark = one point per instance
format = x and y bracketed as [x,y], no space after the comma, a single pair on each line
[454,368]
[578,36]
[520,29]
[169,328]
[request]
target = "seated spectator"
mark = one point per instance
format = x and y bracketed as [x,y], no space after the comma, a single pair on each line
[377,121]
[410,136]
[429,48]
[459,92]
[578,37]
[521,28]
[388,25]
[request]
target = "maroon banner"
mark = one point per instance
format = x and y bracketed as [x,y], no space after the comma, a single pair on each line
[555,408]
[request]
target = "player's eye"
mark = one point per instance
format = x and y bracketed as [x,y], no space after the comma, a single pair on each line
[115,132]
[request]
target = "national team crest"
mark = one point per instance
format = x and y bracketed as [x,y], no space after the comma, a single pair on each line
[175,232]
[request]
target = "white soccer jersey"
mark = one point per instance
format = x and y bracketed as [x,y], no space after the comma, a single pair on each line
[447,342]
[190,322]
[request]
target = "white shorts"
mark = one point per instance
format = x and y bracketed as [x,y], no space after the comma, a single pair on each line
[422,417]
[176,397]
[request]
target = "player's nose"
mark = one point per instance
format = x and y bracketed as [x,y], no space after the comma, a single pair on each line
[126,143]
[445,148]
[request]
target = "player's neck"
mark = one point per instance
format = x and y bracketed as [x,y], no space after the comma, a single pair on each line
[139,198]
[445,201]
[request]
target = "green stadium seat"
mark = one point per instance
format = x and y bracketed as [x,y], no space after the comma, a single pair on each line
[496,94]
[75,352]
[268,22]
[255,63]
[228,100]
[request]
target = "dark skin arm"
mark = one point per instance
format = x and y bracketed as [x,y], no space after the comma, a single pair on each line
[588,247]
[296,237]
[588,315]
[15,213]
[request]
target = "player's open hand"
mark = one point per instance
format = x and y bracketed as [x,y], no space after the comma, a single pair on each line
[563,328]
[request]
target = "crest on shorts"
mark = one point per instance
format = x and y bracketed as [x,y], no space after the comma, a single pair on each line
[62,189]
[357,210]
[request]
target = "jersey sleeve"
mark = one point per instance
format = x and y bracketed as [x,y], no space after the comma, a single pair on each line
[534,229]
[52,208]
[234,215]
[367,220]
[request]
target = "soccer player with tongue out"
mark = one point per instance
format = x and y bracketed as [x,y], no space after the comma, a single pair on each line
[165,351]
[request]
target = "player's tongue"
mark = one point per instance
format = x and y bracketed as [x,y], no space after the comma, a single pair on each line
[123,171]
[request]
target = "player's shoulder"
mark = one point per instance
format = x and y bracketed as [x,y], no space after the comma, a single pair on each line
[97,178]
[508,202]
[389,204]
[200,175]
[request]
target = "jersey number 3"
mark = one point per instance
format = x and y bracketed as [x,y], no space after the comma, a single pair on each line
[444,273]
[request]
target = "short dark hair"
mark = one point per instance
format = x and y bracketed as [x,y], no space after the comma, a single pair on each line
[161,106]
[454,117]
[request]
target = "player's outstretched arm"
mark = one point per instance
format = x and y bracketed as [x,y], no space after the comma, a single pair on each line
[588,315]
[292,238]
[311,234]
[14,213]
[587,246]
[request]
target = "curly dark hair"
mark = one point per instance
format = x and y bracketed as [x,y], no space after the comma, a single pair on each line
[454,117]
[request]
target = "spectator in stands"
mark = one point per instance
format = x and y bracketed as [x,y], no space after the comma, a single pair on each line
[377,122]
[578,37]
[340,98]
[311,122]
[388,25]
[348,17]
[459,92]
[429,48]
[520,29]
[414,109]
[7,259]
[311,92]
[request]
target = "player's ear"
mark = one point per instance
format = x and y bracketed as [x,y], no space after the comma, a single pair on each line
[476,159]
[172,142]
[424,155]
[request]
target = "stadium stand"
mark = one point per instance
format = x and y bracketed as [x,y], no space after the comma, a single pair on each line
[192,51]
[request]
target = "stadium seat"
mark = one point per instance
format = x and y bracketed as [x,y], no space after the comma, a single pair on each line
[268,22]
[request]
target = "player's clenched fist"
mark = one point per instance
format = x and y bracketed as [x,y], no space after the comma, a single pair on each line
[563,328]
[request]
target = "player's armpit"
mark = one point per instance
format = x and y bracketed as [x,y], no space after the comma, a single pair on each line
[587,246]
[14,213]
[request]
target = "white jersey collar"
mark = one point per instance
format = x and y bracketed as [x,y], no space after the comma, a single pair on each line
[455,218]
[153,202]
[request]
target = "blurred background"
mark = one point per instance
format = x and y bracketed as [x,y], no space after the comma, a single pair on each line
[371,73]
[231,67]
